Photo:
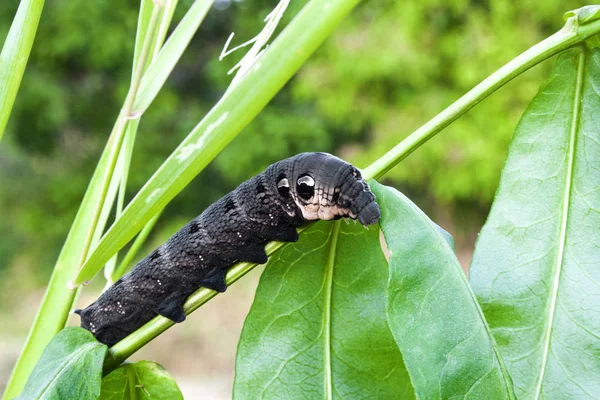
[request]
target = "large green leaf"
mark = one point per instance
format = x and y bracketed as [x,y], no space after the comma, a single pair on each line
[70,368]
[536,267]
[434,317]
[317,327]
[142,380]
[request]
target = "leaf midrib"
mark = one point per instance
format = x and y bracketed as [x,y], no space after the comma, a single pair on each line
[328,381]
[564,221]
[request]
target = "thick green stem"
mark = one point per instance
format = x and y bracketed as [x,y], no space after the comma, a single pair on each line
[572,34]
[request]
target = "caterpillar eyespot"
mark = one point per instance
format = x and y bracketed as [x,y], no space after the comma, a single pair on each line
[306,187]
[283,187]
[235,228]
[283,183]
[306,180]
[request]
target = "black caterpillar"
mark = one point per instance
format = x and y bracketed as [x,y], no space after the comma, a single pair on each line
[270,206]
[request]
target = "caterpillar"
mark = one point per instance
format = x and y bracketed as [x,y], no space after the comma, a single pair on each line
[269,206]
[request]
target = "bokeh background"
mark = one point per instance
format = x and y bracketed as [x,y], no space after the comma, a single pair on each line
[386,70]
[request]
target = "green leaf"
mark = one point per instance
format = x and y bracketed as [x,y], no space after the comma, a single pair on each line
[142,380]
[160,69]
[434,317]
[536,267]
[15,54]
[165,24]
[232,113]
[317,327]
[144,16]
[70,368]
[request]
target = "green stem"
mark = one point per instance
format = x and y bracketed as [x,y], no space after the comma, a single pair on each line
[15,53]
[572,34]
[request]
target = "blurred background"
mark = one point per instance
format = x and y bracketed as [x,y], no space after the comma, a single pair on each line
[388,69]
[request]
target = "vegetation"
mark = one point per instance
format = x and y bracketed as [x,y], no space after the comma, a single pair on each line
[332,317]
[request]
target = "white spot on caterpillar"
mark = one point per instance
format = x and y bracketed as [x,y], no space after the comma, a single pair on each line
[154,193]
[187,150]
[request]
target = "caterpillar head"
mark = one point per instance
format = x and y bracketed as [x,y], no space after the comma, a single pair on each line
[325,187]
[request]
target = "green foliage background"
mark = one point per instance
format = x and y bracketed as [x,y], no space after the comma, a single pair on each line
[389,68]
